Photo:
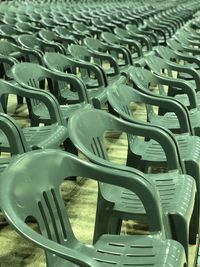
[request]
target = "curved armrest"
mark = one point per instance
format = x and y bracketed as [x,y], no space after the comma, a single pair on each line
[32,52]
[14,135]
[8,59]
[77,83]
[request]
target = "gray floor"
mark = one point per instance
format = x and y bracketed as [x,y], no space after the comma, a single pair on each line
[80,199]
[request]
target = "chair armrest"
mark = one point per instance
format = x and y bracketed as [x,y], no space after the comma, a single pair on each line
[14,135]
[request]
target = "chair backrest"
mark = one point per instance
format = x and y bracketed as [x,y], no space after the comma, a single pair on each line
[30,41]
[29,188]
[92,141]
[79,52]
[94,44]
[110,38]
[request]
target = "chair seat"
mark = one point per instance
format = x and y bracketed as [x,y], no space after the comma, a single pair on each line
[168,120]
[66,110]
[175,192]
[45,137]
[152,151]
[137,250]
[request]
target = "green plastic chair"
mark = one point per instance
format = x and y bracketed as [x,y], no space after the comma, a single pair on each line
[31,76]
[133,46]
[145,153]
[111,69]
[91,74]
[121,54]
[36,44]
[143,79]
[165,67]
[144,40]
[43,201]
[48,136]
[133,29]
[179,57]
[117,204]
[19,53]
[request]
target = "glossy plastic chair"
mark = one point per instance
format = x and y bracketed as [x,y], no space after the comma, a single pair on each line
[133,29]
[145,153]
[143,80]
[165,68]
[40,198]
[91,75]
[48,136]
[32,76]
[121,54]
[133,46]
[114,204]
[111,68]
[182,58]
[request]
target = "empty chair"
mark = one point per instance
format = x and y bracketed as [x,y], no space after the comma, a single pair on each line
[33,76]
[145,153]
[143,80]
[91,75]
[111,68]
[39,197]
[48,136]
[165,68]
[134,47]
[115,204]
[121,54]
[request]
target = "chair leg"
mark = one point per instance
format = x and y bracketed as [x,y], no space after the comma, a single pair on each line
[69,147]
[180,231]
[194,223]
[103,213]
[115,225]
